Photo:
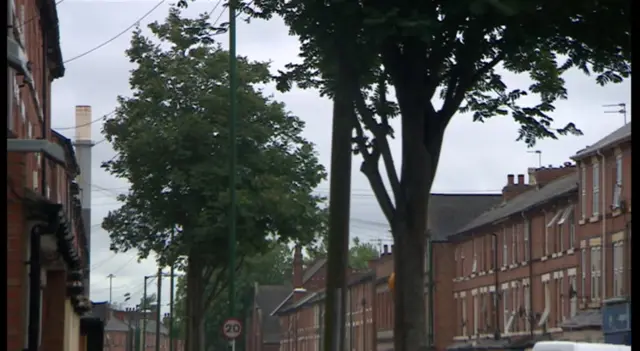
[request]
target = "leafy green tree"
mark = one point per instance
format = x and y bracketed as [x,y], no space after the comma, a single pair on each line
[360,252]
[442,58]
[171,140]
[270,268]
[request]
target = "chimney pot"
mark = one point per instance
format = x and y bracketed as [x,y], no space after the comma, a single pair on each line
[521,179]
[510,178]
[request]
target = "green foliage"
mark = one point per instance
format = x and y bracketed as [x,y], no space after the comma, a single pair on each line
[457,52]
[452,50]
[270,268]
[360,252]
[171,139]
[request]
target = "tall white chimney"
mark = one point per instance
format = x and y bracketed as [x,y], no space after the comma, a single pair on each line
[83,146]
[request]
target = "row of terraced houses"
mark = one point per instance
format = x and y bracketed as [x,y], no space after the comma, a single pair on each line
[48,237]
[549,258]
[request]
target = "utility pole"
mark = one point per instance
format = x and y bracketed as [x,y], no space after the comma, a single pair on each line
[143,307]
[158,308]
[171,297]
[110,276]
[233,89]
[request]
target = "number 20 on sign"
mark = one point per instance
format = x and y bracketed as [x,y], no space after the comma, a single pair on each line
[232,328]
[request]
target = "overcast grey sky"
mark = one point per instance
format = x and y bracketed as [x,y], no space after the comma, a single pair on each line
[476,157]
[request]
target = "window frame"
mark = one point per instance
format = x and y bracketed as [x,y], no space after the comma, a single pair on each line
[596,272]
[617,185]
[595,190]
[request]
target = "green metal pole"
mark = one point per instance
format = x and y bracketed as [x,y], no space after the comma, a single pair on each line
[232,163]
[171,298]
[158,310]
[143,307]
[431,289]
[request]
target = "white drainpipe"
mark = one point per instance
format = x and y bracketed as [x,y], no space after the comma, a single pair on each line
[603,245]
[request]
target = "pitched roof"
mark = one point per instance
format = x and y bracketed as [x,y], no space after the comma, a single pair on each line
[313,269]
[114,324]
[268,297]
[619,135]
[449,212]
[525,201]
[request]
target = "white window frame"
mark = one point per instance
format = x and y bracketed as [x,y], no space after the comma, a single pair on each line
[583,265]
[572,229]
[596,272]
[595,191]
[527,305]
[494,242]
[475,315]
[547,304]
[527,229]
[464,316]
[505,308]
[617,186]
[583,192]
[561,316]
[456,255]
[474,264]
[549,226]
[573,306]
[514,245]
[618,269]
[505,248]
[516,307]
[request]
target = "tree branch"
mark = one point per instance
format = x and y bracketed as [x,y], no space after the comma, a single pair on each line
[380,132]
[370,169]
[218,287]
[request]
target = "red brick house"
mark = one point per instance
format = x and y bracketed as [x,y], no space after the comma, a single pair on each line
[604,230]
[604,218]
[122,330]
[516,264]
[369,311]
[263,329]
[45,295]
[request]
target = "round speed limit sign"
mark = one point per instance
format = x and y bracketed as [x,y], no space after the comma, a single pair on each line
[232,328]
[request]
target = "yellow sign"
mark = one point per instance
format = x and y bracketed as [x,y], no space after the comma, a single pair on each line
[392,282]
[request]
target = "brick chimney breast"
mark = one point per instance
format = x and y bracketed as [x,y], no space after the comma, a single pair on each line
[513,189]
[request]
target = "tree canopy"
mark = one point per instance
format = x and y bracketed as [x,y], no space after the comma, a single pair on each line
[172,143]
[443,58]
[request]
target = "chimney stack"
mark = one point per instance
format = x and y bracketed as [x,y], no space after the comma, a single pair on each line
[513,189]
[83,122]
[297,267]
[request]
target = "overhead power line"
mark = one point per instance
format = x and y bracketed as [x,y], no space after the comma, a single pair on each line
[137,22]
[88,123]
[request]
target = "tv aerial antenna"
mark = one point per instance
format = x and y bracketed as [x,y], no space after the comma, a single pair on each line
[622,109]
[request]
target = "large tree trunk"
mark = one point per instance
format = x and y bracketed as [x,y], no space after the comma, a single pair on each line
[339,206]
[421,142]
[195,305]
